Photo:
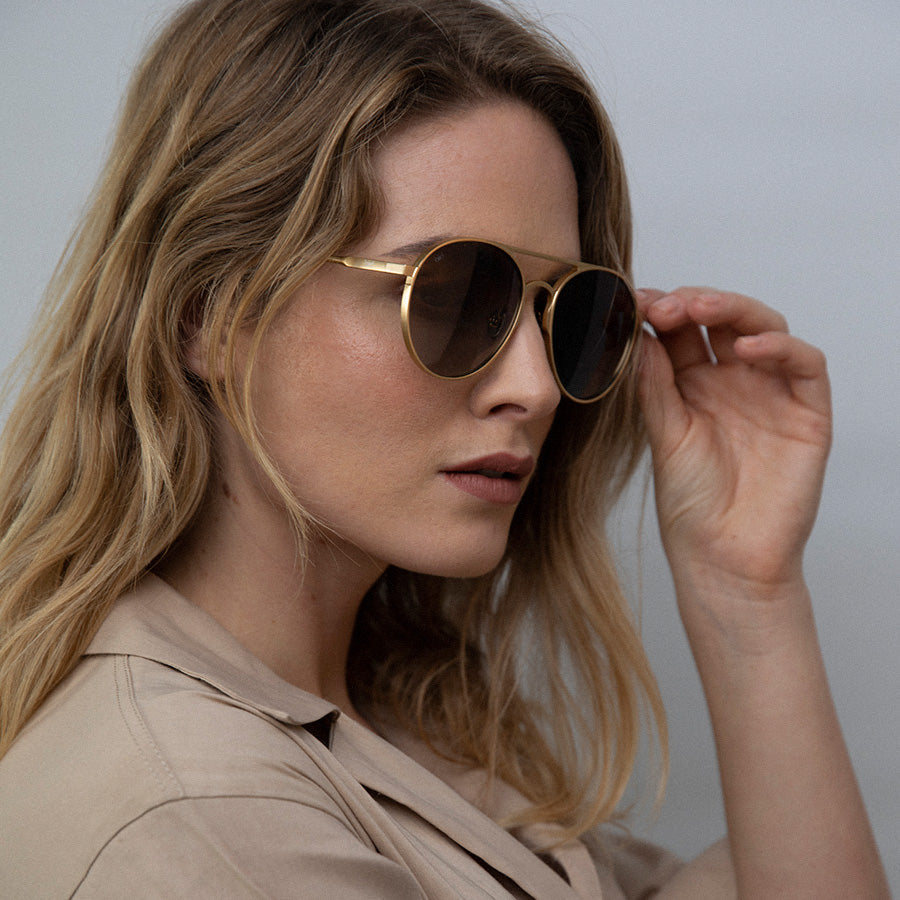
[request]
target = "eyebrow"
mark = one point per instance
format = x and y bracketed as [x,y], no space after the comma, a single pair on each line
[417,248]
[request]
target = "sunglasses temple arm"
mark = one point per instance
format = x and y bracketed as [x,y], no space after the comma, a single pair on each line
[373,265]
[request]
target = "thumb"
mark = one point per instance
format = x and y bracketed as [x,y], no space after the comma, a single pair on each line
[661,402]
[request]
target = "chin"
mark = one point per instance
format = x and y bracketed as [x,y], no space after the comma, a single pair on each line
[473,565]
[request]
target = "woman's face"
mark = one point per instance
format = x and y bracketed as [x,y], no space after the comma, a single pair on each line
[396,461]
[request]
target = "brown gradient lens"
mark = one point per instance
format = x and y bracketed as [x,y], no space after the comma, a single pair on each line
[463,303]
[592,328]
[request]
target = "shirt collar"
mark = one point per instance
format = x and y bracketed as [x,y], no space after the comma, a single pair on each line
[155,622]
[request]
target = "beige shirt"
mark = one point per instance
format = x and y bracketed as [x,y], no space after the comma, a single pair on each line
[172,763]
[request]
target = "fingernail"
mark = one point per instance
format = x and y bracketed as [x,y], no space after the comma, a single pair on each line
[666,304]
[709,298]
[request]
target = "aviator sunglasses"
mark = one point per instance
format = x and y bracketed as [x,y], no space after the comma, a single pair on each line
[463,298]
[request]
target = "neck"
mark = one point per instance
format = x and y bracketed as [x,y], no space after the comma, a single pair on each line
[239,561]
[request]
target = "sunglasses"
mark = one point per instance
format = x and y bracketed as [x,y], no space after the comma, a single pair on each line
[463,298]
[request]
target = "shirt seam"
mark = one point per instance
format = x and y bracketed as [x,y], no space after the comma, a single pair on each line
[189,798]
[138,728]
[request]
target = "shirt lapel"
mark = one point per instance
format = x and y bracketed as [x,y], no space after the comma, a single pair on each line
[385,769]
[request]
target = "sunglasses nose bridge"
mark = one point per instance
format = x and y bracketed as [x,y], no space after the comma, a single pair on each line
[536,287]
[539,292]
[537,283]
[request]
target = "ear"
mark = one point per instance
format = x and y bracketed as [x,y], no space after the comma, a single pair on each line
[195,348]
[198,332]
[195,345]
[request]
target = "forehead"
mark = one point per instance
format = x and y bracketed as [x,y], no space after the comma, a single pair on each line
[497,171]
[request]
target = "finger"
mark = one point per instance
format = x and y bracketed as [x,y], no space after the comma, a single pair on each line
[661,401]
[802,365]
[645,298]
[678,332]
[740,314]
[724,316]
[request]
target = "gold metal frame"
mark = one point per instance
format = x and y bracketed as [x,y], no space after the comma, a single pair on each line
[409,272]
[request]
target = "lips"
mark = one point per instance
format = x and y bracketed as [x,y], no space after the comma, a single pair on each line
[497,465]
[497,478]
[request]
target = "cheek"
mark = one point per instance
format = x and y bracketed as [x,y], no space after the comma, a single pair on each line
[377,384]
[362,351]
[342,367]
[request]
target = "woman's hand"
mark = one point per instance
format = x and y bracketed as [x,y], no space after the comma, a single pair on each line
[739,430]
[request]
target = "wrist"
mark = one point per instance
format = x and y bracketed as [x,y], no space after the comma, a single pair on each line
[741,615]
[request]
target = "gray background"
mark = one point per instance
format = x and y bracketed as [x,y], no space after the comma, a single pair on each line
[762,141]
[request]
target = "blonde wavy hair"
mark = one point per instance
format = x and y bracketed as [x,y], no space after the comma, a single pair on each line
[243,160]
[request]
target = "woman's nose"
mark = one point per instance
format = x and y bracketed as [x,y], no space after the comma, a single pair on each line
[520,378]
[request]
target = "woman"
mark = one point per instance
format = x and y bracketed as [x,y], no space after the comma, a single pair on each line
[305,589]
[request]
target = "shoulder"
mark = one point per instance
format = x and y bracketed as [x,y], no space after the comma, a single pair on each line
[125,748]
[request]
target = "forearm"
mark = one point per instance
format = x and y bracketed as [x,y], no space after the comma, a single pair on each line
[796,821]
